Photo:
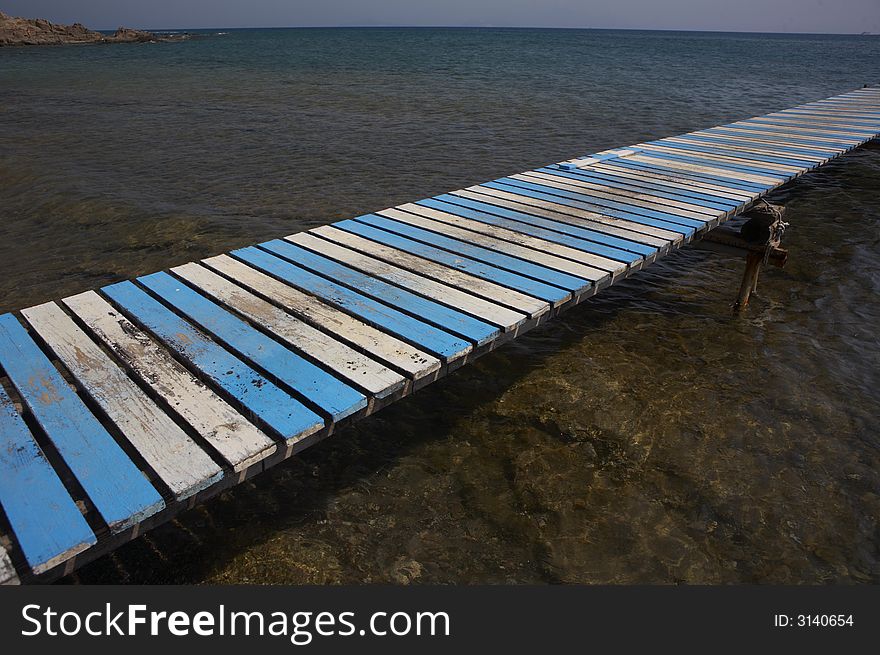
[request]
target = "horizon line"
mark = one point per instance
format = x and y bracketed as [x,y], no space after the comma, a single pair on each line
[494,27]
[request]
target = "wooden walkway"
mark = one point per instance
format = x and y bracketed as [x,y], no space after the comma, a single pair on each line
[123,406]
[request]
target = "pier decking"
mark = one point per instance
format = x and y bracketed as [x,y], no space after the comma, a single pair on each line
[123,406]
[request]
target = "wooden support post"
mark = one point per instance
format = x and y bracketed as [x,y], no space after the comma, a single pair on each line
[749,283]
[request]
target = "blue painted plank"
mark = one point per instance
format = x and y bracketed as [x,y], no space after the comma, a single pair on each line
[806,141]
[537,272]
[765,162]
[590,205]
[590,241]
[310,381]
[277,408]
[730,182]
[377,314]
[752,145]
[800,134]
[656,188]
[46,521]
[694,158]
[801,122]
[476,268]
[620,205]
[118,489]
[443,317]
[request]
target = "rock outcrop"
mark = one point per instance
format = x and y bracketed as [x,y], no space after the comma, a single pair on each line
[37,31]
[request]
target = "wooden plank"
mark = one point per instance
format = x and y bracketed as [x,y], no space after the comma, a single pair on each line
[596,175]
[546,190]
[816,128]
[704,167]
[589,219]
[416,363]
[730,167]
[729,161]
[798,132]
[231,435]
[118,489]
[813,157]
[577,219]
[740,157]
[8,576]
[457,242]
[178,461]
[640,199]
[621,248]
[773,144]
[283,413]
[498,315]
[679,180]
[426,337]
[345,362]
[502,241]
[659,166]
[307,380]
[545,293]
[600,246]
[448,319]
[757,135]
[46,522]
[528,305]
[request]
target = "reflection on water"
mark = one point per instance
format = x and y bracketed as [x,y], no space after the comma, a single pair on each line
[645,436]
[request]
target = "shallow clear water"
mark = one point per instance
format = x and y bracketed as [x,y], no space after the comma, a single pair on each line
[646,436]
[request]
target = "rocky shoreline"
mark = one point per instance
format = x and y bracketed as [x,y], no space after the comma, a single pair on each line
[37,31]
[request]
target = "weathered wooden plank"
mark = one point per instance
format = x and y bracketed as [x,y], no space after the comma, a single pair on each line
[178,461]
[279,410]
[120,492]
[375,378]
[47,523]
[793,132]
[812,157]
[451,320]
[764,136]
[639,199]
[309,381]
[425,336]
[631,229]
[236,439]
[733,195]
[581,237]
[491,312]
[454,226]
[476,246]
[596,175]
[533,288]
[758,161]
[762,174]
[8,576]
[416,363]
[728,161]
[709,168]
[589,241]
[658,166]
[589,199]
[528,305]
[771,145]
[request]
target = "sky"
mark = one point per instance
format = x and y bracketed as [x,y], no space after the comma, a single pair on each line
[813,16]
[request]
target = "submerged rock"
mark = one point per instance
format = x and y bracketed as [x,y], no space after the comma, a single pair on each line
[38,31]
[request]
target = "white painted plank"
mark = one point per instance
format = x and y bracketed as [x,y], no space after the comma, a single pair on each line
[521,302]
[178,460]
[505,318]
[8,576]
[506,241]
[346,362]
[677,181]
[751,149]
[577,218]
[384,347]
[235,438]
[706,169]
[781,169]
[574,215]
[679,208]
